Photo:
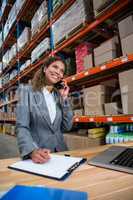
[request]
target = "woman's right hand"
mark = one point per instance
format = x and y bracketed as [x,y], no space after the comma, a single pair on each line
[40,155]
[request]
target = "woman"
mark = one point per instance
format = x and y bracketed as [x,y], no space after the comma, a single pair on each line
[43,113]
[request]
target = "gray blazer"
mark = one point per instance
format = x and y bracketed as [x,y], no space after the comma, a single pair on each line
[33,125]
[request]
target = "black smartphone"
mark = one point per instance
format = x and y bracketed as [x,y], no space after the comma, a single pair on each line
[59,85]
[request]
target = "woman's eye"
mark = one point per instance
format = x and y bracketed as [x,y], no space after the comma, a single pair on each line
[62,71]
[55,66]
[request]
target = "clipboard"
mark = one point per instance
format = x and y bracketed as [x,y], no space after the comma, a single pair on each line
[21,192]
[58,167]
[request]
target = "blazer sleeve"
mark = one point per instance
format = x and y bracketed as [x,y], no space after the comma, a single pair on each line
[25,141]
[67,116]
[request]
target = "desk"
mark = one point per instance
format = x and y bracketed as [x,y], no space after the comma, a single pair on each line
[101,184]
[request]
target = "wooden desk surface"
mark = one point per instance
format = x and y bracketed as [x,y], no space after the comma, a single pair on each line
[101,184]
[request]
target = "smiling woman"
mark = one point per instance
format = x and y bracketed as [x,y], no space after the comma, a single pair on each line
[50,73]
[43,113]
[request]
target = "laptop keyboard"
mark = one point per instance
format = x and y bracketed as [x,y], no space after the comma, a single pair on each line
[124,159]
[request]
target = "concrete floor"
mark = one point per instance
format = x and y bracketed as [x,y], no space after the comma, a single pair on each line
[8,146]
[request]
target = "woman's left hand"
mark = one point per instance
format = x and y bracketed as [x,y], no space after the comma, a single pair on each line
[65,91]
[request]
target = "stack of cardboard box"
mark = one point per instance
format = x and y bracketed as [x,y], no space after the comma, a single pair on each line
[72,19]
[41,48]
[106,51]
[39,18]
[126,81]
[126,34]
[23,38]
[75,141]
[96,100]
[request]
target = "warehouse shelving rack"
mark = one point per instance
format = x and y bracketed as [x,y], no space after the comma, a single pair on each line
[83,77]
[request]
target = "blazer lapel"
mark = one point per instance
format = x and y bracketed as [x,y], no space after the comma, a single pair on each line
[56,95]
[42,107]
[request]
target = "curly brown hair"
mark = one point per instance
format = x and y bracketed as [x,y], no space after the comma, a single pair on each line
[38,81]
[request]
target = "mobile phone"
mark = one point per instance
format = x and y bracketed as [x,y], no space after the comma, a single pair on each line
[59,85]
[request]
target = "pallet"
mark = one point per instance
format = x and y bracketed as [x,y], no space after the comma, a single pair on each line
[71,33]
[41,56]
[38,30]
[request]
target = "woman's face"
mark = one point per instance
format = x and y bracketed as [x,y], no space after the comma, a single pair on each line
[54,72]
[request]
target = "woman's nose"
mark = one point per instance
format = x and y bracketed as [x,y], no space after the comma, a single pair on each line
[58,72]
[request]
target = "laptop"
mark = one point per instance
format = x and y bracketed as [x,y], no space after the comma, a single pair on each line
[118,158]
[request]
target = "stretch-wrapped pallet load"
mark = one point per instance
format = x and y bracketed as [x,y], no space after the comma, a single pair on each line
[83,54]
[0,67]
[126,34]
[5,30]
[28,62]
[126,82]
[12,52]
[42,48]
[6,79]
[101,5]
[0,83]
[95,97]
[5,59]
[19,5]
[1,39]
[80,12]
[24,38]
[106,51]
[24,65]
[13,74]
[40,18]
[56,4]
[3,6]
[12,16]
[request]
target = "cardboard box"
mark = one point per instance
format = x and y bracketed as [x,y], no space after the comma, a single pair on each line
[126,81]
[111,108]
[127,102]
[101,5]
[126,27]
[24,38]
[127,44]
[87,61]
[94,98]
[78,112]
[76,142]
[97,95]
[94,110]
[107,46]
[108,56]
